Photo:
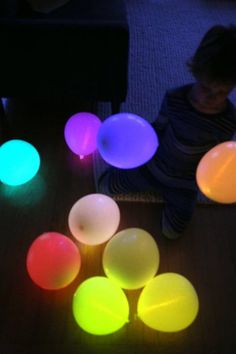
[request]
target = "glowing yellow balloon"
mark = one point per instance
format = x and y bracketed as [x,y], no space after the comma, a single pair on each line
[168,303]
[131,258]
[94,219]
[216,173]
[100,307]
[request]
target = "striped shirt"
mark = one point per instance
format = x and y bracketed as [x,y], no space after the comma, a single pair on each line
[185,135]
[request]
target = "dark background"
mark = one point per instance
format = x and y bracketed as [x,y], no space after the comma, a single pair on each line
[32,321]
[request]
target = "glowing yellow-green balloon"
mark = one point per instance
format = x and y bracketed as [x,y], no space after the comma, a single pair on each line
[131,258]
[168,303]
[100,307]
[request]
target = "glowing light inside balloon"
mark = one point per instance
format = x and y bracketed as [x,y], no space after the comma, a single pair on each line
[100,307]
[19,162]
[216,173]
[81,133]
[94,219]
[53,261]
[131,258]
[168,303]
[126,140]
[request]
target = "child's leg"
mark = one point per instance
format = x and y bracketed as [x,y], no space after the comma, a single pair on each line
[179,203]
[178,211]
[116,181]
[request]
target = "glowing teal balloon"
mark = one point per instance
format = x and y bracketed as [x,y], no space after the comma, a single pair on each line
[19,162]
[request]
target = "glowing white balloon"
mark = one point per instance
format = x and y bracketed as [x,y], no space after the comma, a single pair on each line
[94,219]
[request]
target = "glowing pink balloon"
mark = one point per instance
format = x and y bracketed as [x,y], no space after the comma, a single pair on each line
[53,261]
[126,140]
[81,133]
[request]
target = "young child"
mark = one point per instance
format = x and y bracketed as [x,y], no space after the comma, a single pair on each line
[192,120]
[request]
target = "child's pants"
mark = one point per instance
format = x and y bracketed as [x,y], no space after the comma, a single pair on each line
[179,202]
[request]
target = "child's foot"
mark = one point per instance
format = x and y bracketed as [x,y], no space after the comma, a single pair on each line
[103,183]
[167,230]
[100,168]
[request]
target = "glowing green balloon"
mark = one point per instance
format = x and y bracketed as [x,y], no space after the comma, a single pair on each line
[131,258]
[100,307]
[19,162]
[168,303]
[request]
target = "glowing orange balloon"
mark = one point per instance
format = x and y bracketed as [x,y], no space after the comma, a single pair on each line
[216,173]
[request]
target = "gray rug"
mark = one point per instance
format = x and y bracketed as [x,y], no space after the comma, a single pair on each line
[163,36]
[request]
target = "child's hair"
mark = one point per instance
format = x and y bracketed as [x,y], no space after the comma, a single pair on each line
[215,58]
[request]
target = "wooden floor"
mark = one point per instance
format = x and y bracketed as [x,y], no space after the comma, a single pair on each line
[33,321]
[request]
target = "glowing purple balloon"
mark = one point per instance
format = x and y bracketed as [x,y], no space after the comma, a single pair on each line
[126,140]
[81,133]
